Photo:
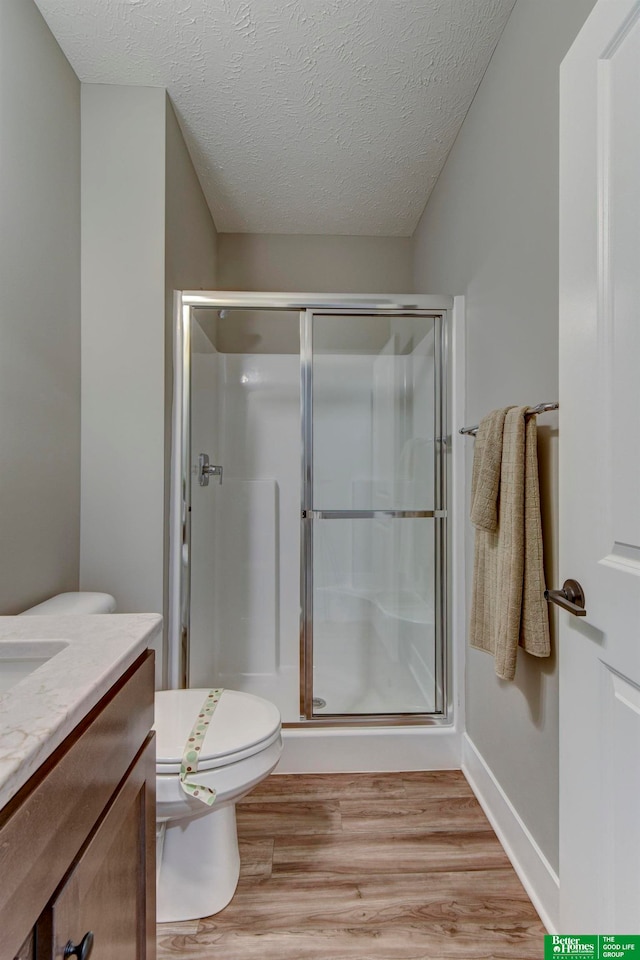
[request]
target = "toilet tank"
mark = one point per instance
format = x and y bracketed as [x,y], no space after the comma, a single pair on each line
[81,603]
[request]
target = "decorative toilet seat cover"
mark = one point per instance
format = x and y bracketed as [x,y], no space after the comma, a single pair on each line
[242,725]
[192,748]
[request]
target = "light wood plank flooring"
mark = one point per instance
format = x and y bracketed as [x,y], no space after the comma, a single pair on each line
[366,867]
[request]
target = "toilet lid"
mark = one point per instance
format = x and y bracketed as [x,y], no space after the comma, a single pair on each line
[242,724]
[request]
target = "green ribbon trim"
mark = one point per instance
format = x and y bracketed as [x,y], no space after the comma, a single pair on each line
[192,749]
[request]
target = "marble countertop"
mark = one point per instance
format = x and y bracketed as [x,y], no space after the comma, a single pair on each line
[42,709]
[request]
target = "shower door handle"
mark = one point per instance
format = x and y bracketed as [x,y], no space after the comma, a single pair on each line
[206,470]
[372,514]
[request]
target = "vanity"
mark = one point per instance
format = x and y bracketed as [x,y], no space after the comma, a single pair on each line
[77,787]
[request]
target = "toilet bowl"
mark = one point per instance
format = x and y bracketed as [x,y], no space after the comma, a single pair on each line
[197,850]
[198,861]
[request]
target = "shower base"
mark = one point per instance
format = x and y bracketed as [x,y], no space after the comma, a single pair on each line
[358,671]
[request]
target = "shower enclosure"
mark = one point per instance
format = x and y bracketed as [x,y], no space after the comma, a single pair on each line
[309,527]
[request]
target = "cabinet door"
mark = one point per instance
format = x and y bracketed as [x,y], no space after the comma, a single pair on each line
[27,950]
[110,891]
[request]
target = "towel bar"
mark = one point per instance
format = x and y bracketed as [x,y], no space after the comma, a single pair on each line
[531,412]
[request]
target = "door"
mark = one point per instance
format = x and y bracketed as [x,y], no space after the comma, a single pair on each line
[242,614]
[372,515]
[600,473]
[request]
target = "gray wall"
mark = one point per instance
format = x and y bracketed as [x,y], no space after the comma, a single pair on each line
[319,264]
[300,262]
[191,255]
[145,231]
[191,240]
[490,231]
[123,312]
[39,312]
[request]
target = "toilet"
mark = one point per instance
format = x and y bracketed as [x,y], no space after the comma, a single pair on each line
[198,862]
[64,603]
[198,856]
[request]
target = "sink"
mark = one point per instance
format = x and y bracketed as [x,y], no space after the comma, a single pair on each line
[19,658]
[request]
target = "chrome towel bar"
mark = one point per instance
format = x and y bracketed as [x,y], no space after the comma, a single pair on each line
[531,412]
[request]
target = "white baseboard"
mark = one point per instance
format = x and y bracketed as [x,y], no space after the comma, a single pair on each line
[369,750]
[536,874]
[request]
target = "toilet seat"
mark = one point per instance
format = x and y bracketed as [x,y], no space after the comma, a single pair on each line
[241,726]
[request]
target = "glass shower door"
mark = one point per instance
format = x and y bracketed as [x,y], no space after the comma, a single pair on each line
[372,515]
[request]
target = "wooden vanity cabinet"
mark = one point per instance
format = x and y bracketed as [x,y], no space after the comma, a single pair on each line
[102,901]
[77,844]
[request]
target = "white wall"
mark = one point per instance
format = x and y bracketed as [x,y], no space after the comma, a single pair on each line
[39,312]
[490,232]
[245,550]
[321,264]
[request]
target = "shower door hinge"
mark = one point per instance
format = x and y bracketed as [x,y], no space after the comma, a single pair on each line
[206,470]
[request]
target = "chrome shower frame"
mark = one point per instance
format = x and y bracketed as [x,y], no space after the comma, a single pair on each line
[185,303]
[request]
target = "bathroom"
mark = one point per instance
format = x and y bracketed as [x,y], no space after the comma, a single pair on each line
[100,248]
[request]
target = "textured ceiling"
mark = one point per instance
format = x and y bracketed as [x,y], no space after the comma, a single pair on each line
[302,116]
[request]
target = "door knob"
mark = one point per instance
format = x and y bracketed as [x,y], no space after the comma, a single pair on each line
[570,598]
[80,950]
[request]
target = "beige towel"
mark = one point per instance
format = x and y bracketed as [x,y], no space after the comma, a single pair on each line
[508,606]
[487,460]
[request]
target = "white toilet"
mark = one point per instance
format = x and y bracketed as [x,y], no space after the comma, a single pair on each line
[198,855]
[65,603]
[197,851]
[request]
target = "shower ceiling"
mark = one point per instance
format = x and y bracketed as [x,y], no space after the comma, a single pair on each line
[302,116]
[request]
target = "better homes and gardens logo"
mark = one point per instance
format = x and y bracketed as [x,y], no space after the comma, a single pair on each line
[592,948]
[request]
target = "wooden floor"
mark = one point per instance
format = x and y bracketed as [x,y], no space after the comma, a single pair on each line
[366,867]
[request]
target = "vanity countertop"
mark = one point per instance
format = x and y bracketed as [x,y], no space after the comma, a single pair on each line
[43,708]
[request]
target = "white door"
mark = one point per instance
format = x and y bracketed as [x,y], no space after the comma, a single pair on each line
[600,473]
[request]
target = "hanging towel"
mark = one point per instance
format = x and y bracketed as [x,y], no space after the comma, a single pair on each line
[485,481]
[534,622]
[508,606]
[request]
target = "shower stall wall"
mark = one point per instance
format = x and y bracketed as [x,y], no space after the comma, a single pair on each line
[245,544]
[310,548]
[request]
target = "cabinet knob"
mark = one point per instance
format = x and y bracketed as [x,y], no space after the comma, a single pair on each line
[80,950]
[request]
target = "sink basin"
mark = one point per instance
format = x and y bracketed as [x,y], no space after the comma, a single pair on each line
[19,658]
